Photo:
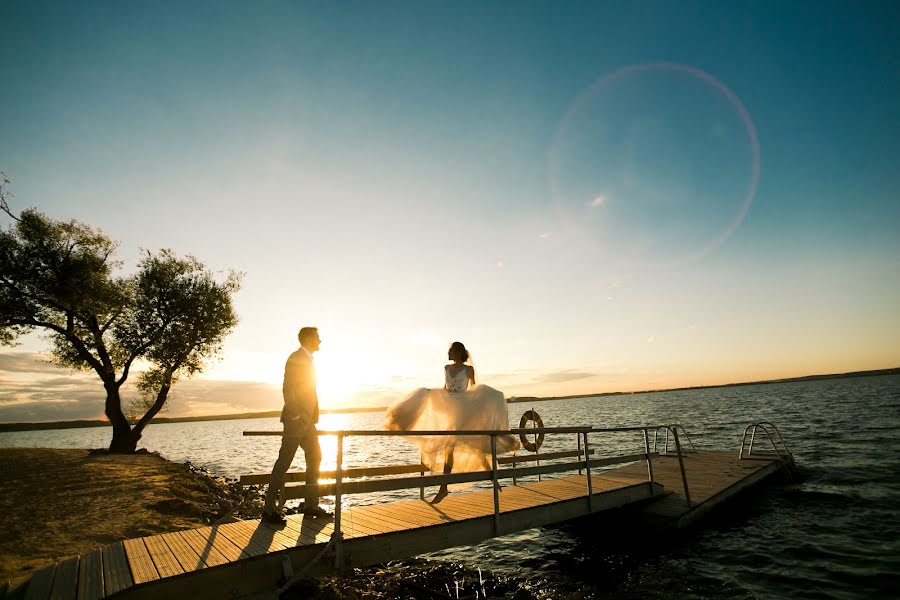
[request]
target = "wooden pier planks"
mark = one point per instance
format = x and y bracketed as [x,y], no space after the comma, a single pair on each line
[90,576]
[140,561]
[116,574]
[65,581]
[119,566]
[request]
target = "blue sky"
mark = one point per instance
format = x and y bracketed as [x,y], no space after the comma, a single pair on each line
[564,187]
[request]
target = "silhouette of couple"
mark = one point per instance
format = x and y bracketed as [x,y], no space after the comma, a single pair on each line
[460,405]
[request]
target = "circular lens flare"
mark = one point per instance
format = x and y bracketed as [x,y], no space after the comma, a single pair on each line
[654,164]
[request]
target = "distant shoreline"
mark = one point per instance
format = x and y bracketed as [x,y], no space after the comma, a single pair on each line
[4,427]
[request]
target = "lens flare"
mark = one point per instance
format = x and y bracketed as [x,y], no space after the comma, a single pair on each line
[654,164]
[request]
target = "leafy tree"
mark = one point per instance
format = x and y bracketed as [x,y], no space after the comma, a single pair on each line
[60,278]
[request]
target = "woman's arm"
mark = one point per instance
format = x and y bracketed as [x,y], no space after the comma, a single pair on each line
[471,373]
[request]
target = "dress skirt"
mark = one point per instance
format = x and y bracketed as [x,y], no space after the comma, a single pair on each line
[480,408]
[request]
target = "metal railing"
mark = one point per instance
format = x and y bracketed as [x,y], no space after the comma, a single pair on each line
[584,462]
[671,428]
[764,425]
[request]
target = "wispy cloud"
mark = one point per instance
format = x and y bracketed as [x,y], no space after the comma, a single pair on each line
[563,376]
[35,390]
[26,362]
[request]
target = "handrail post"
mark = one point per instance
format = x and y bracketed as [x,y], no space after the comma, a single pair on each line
[743,441]
[338,535]
[687,494]
[649,460]
[667,440]
[534,441]
[496,484]
[587,470]
[752,437]
[421,474]
[578,437]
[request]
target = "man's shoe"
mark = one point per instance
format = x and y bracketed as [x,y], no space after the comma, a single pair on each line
[316,511]
[274,518]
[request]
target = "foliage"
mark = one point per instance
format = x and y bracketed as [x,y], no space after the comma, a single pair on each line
[60,277]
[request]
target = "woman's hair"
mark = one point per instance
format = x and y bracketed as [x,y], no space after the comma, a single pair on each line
[457,349]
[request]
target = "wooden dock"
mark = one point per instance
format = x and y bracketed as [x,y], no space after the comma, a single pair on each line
[238,560]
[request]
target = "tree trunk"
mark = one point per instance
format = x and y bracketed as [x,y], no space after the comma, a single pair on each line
[124,440]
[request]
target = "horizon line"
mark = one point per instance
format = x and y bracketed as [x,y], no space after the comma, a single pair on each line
[77,423]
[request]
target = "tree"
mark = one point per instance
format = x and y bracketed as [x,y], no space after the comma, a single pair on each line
[60,278]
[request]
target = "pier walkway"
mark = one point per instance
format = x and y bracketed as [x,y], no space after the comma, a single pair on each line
[244,558]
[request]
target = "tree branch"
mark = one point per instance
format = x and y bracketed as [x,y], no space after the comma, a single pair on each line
[160,401]
[82,350]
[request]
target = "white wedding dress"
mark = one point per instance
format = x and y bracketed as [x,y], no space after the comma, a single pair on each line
[455,408]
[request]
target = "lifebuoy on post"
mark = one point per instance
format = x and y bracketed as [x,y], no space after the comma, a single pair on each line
[531,415]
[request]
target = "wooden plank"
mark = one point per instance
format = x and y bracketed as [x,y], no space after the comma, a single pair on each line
[405,519]
[351,473]
[184,553]
[244,539]
[139,561]
[423,508]
[358,526]
[162,557]
[41,583]
[90,576]
[390,522]
[506,460]
[116,573]
[388,485]
[308,530]
[255,536]
[212,548]
[374,522]
[65,582]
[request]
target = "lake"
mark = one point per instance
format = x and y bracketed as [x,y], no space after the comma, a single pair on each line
[832,533]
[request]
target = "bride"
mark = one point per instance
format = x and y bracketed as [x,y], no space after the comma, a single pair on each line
[459,405]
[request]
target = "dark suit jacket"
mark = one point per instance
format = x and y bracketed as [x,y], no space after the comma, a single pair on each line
[301,404]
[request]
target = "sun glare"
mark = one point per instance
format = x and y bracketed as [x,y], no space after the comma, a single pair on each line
[342,374]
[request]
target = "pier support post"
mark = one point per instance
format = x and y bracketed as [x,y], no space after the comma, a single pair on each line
[578,437]
[587,470]
[649,460]
[496,484]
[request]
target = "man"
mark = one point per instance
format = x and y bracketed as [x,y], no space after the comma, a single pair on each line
[300,415]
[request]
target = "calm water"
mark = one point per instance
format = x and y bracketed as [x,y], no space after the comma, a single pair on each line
[833,533]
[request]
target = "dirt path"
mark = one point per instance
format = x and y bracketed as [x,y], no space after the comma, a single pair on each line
[59,503]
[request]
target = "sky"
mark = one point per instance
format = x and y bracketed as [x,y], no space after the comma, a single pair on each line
[592,196]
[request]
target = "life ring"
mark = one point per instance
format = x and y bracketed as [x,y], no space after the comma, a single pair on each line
[531,415]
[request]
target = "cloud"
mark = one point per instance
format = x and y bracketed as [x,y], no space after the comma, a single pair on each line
[563,376]
[598,201]
[35,391]
[27,362]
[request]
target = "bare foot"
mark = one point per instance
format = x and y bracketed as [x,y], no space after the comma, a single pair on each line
[442,493]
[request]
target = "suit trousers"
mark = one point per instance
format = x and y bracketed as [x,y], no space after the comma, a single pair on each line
[296,437]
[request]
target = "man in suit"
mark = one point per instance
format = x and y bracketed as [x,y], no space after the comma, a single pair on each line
[300,415]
